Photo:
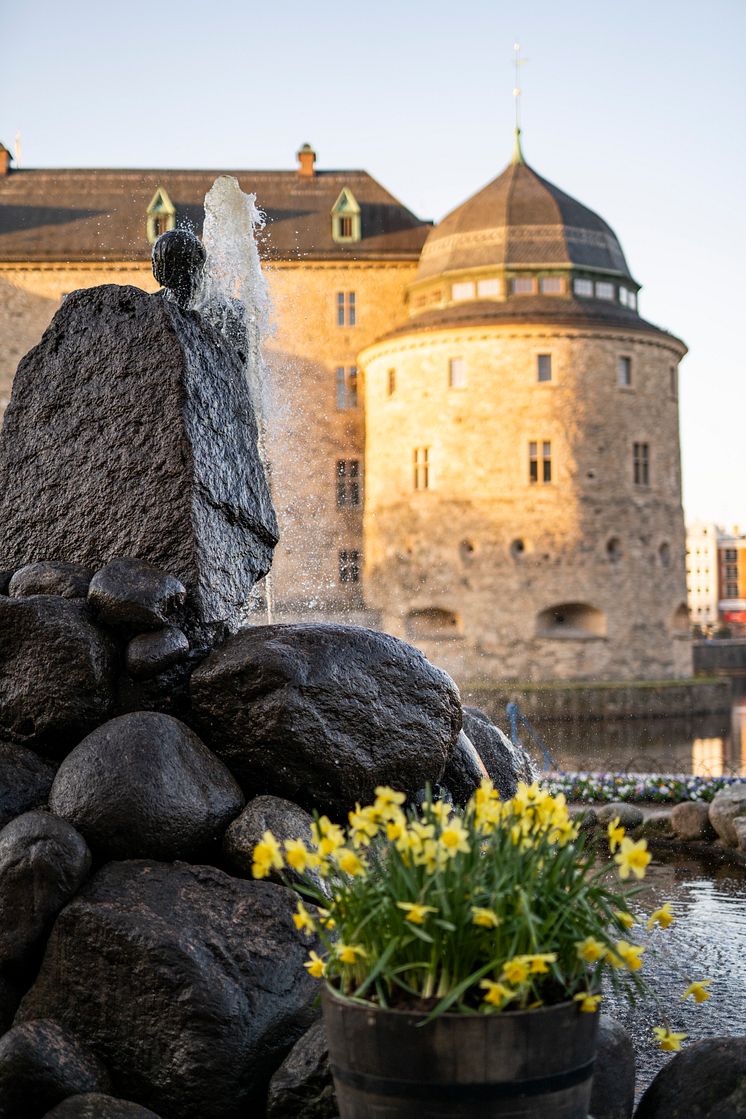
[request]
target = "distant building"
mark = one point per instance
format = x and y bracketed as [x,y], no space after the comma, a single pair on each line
[732,579]
[702,574]
[477,440]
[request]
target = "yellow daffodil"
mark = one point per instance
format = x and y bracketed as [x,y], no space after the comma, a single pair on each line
[697,990]
[327,836]
[497,993]
[326,920]
[302,919]
[667,1039]
[516,970]
[430,855]
[455,838]
[663,917]
[485,917]
[267,856]
[415,912]
[616,834]
[396,826]
[441,810]
[633,857]
[315,966]
[387,802]
[349,862]
[625,919]
[590,950]
[363,825]
[588,1002]
[296,854]
[538,964]
[350,953]
[630,954]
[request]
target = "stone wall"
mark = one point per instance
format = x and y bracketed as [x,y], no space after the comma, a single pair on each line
[475,566]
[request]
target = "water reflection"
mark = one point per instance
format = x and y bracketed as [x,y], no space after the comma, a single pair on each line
[704,745]
[707,941]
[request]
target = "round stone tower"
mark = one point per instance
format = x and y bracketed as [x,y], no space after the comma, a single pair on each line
[523,496]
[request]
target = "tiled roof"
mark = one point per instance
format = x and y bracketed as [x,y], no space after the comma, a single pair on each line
[94,215]
[521,219]
[552,311]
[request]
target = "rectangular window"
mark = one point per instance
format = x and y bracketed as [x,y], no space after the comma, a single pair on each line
[623,293]
[583,287]
[349,566]
[348,483]
[551,285]
[462,291]
[604,290]
[731,590]
[457,373]
[421,459]
[731,571]
[632,300]
[345,308]
[391,382]
[641,463]
[624,371]
[540,461]
[488,289]
[543,367]
[731,555]
[346,386]
[522,285]
[345,227]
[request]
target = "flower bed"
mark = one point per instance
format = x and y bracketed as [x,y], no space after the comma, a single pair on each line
[661,788]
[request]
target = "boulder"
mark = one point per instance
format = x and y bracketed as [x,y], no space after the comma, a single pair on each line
[726,806]
[144,786]
[613,1092]
[691,820]
[739,827]
[43,863]
[265,813]
[132,595]
[302,1087]
[322,714]
[464,771]
[5,577]
[93,1105]
[149,654]
[585,818]
[707,1080]
[69,580]
[25,781]
[206,976]
[629,815]
[131,432]
[56,672]
[656,825]
[40,1065]
[10,996]
[505,763]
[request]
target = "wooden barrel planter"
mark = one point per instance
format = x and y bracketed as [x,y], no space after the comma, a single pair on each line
[533,1064]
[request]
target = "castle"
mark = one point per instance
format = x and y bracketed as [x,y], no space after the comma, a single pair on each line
[475,442]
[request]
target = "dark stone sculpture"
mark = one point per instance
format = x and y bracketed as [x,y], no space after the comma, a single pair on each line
[131,432]
[178,262]
[206,975]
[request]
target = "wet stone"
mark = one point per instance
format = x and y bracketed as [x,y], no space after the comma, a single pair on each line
[691,820]
[464,771]
[505,763]
[132,595]
[302,1087]
[94,1105]
[265,813]
[25,781]
[149,654]
[707,1080]
[5,577]
[728,804]
[40,1065]
[613,1092]
[629,815]
[69,580]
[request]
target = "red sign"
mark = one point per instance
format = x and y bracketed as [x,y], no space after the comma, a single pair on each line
[734,616]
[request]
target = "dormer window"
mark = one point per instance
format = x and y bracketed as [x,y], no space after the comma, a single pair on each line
[160,215]
[346,218]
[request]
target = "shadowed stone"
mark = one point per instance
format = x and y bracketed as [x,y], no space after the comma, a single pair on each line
[266,813]
[25,781]
[145,786]
[70,580]
[302,1087]
[56,671]
[149,654]
[629,815]
[132,595]
[43,863]
[40,1065]
[93,1105]
[464,771]
[726,806]
[206,976]
[130,432]
[321,714]
[505,763]
[707,1080]
[613,1092]
[5,577]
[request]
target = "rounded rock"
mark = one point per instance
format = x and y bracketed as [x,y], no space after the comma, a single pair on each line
[145,786]
[149,654]
[464,770]
[613,1092]
[629,815]
[727,805]
[691,820]
[302,1087]
[703,1081]
[43,863]
[40,1065]
[265,813]
[506,764]
[133,595]
[94,1105]
[25,781]
[68,580]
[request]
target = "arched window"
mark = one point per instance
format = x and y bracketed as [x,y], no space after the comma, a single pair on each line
[434,623]
[571,619]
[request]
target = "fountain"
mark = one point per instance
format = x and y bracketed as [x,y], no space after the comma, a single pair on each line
[147,735]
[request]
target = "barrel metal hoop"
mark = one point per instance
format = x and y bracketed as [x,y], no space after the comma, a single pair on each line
[468,1092]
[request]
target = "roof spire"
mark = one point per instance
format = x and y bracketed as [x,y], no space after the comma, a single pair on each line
[517,151]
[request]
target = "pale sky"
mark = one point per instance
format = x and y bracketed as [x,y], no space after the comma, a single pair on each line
[636,108]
